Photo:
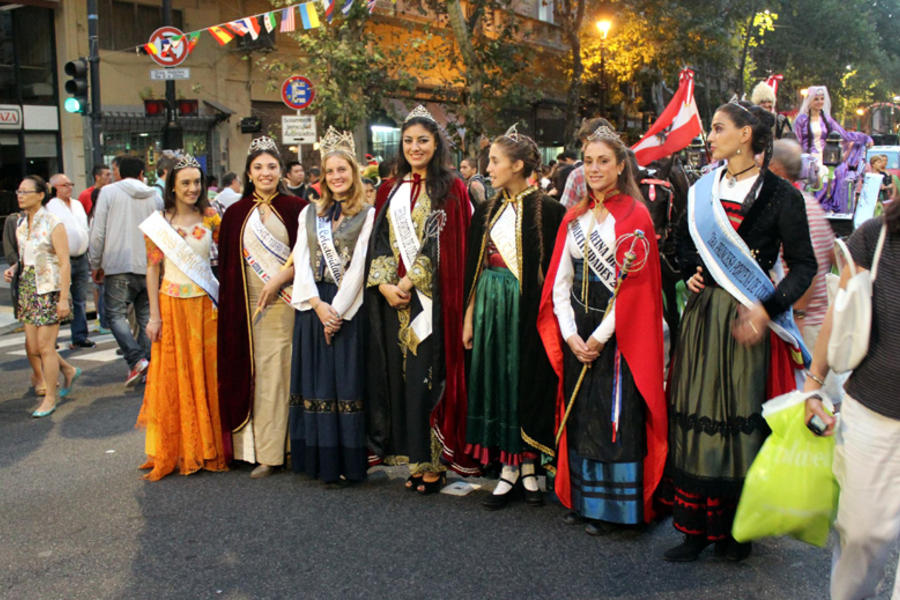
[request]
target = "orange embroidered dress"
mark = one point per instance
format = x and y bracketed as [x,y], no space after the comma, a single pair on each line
[181,400]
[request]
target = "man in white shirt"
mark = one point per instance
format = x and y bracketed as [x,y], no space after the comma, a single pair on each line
[231,192]
[71,212]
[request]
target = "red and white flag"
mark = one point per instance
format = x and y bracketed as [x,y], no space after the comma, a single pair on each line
[252,26]
[678,124]
[773,81]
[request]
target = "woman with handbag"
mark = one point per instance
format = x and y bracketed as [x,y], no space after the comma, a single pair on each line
[867,448]
[43,287]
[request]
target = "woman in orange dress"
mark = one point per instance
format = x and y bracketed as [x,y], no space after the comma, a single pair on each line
[181,400]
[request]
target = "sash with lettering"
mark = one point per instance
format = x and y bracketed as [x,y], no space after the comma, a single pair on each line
[400,216]
[264,253]
[600,257]
[179,252]
[505,235]
[325,237]
[728,258]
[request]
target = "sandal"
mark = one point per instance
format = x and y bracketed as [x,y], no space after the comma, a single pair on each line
[432,487]
[412,482]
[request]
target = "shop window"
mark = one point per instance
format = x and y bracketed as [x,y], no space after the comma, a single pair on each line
[127,24]
[41,154]
[26,34]
[385,141]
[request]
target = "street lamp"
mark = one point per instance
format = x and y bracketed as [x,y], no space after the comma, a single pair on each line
[603,26]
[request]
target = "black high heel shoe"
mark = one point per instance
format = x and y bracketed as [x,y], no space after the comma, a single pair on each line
[498,501]
[535,498]
[432,487]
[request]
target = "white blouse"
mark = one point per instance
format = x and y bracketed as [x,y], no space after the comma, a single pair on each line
[565,276]
[349,296]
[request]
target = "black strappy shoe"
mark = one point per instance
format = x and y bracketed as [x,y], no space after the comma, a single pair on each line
[412,482]
[498,501]
[535,498]
[432,487]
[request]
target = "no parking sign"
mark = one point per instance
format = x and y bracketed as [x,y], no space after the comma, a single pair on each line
[297,92]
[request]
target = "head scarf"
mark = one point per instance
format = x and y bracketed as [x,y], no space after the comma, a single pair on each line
[815,90]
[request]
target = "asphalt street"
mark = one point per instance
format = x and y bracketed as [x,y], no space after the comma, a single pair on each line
[80,523]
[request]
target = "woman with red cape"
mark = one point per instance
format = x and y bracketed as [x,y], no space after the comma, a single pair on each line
[612,449]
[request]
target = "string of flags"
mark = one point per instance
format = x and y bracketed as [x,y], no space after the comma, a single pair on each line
[253,25]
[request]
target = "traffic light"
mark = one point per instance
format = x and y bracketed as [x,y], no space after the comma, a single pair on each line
[77,86]
[155,108]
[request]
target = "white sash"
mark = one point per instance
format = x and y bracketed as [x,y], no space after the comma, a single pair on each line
[181,254]
[326,243]
[600,257]
[503,234]
[264,253]
[400,217]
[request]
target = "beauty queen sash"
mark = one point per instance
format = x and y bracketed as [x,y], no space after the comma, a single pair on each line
[600,257]
[181,254]
[728,258]
[504,234]
[400,217]
[325,237]
[264,253]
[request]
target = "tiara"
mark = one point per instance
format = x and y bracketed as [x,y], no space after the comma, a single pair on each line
[263,143]
[186,162]
[337,140]
[421,112]
[513,133]
[737,103]
[604,133]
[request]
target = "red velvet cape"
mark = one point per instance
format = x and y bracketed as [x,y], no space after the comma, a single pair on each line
[638,334]
[235,366]
[448,419]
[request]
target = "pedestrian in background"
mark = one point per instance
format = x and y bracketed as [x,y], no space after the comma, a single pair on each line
[43,287]
[295,179]
[809,310]
[181,400]
[314,187]
[11,253]
[119,259]
[867,436]
[163,166]
[256,320]
[231,193]
[328,438]
[71,213]
[468,169]
[101,175]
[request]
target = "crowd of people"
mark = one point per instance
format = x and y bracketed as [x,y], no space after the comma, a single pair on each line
[480,324]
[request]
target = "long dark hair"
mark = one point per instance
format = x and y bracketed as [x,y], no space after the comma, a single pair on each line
[760,121]
[169,194]
[626,182]
[439,177]
[248,185]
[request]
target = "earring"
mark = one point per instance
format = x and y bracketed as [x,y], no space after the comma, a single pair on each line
[738,151]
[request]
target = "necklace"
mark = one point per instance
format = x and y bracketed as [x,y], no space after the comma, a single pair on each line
[732,177]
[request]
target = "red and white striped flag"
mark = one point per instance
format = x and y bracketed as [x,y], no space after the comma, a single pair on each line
[678,124]
[773,81]
[288,23]
[252,26]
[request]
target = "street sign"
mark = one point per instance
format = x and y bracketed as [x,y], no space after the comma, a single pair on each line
[298,130]
[167,54]
[170,74]
[297,92]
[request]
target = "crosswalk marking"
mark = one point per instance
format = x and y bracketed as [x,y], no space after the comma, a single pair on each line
[107,355]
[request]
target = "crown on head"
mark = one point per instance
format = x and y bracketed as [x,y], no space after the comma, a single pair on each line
[604,133]
[419,111]
[263,143]
[186,162]
[337,140]
[513,133]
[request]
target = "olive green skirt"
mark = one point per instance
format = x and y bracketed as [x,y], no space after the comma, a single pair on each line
[715,398]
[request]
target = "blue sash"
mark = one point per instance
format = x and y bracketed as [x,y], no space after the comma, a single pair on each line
[728,259]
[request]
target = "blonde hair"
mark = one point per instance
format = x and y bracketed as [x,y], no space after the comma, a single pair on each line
[356,194]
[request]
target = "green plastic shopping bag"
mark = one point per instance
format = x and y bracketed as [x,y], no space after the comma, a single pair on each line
[789,489]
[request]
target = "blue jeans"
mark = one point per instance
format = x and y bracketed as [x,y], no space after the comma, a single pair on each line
[119,291]
[81,284]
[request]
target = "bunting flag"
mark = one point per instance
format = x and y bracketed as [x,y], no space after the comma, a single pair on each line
[237,27]
[328,8]
[269,21]
[192,39]
[309,16]
[371,5]
[220,34]
[348,4]
[678,124]
[287,20]
[252,26]
[150,48]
